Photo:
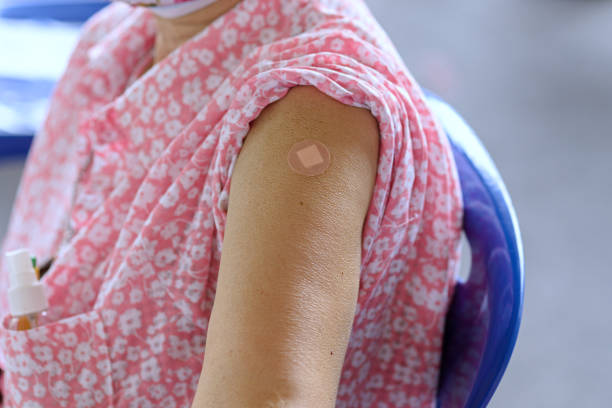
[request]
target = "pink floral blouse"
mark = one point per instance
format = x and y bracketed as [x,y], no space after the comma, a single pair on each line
[127,185]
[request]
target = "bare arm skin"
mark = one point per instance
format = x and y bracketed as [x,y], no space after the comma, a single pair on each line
[290,265]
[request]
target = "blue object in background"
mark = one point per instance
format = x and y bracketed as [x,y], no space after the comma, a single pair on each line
[34,31]
[485,313]
[12,146]
[75,11]
[22,105]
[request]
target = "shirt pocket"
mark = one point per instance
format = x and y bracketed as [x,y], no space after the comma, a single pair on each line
[64,363]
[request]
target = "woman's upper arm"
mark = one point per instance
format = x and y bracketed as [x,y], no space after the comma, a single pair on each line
[290,264]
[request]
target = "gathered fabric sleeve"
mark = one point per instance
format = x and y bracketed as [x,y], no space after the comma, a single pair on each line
[349,81]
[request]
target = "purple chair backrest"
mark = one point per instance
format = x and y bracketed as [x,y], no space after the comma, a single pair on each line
[485,312]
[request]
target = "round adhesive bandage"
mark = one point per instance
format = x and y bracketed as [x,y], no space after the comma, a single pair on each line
[309,157]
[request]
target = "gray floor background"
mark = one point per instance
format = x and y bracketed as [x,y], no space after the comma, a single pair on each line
[534,79]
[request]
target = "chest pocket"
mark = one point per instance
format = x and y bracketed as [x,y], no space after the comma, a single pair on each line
[62,364]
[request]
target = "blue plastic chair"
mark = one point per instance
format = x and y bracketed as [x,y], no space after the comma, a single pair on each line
[485,313]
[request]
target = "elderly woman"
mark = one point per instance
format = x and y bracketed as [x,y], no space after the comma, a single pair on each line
[321,280]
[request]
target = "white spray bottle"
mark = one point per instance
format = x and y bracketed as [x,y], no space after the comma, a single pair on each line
[26,295]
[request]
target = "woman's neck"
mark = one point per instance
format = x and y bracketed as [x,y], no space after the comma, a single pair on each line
[171,33]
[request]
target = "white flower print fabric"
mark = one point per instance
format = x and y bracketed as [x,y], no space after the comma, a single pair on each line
[127,185]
